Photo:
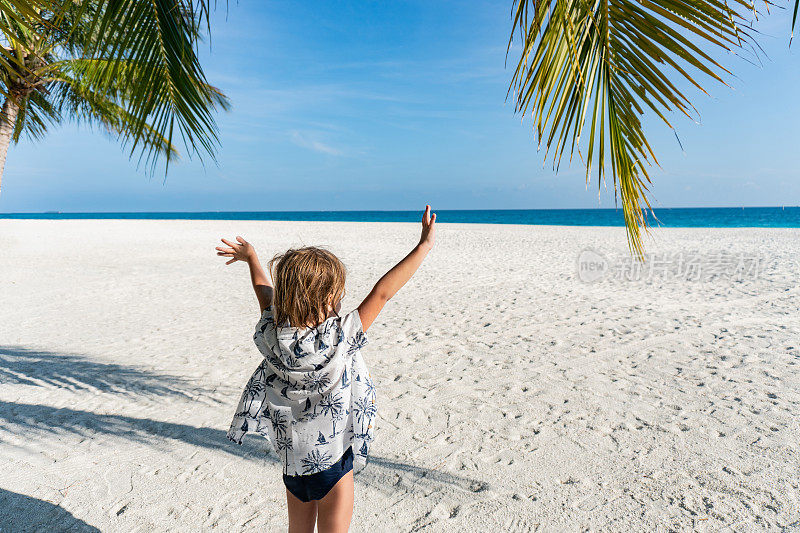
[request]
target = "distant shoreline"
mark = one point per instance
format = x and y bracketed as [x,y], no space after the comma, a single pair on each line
[683,217]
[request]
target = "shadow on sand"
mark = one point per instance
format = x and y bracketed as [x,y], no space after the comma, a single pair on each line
[20,513]
[35,419]
[23,366]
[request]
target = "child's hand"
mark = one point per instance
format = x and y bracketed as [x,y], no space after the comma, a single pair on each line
[241,251]
[428,228]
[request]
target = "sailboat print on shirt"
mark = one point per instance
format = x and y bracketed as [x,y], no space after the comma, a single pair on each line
[298,352]
[337,399]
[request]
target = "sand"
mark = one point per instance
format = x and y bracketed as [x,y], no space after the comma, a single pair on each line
[512,395]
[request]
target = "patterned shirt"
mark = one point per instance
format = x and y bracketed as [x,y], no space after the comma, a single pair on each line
[312,395]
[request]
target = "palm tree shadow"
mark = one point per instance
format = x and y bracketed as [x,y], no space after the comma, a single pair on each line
[23,366]
[36,419]
[19,512]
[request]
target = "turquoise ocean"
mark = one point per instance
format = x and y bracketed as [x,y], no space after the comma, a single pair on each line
[715,217]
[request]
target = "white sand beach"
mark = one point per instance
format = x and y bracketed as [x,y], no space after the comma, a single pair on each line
[512,395]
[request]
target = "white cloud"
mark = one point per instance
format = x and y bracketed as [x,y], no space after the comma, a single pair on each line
[308,141]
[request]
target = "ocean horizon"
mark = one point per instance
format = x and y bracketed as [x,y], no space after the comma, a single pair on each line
[679,217]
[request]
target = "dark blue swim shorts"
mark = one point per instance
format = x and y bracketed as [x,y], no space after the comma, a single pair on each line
[316,486]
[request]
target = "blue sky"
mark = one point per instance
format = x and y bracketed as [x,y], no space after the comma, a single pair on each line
[391,105]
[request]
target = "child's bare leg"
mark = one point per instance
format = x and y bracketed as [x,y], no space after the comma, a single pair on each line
[335,510]
[302,515]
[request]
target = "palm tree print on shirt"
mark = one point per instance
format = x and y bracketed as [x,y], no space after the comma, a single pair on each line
[331,405]
[278,423]
[254,388]
[316,462]
[356,342]
[364,408]
[284,444]
[333,401]
[369,387]
[364,411]
[316,382]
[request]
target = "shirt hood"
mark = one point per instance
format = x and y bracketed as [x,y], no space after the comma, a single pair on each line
[307,362]
[305,349]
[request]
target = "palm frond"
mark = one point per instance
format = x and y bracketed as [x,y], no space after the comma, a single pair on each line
[147,50]
[34,116]
[134,62]
[603,64]
[81,104]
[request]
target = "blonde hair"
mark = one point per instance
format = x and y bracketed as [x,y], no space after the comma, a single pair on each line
[308,281]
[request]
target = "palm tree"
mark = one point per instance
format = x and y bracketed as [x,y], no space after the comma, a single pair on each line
[315,381]
[279,423]
[331,404]
[603,64]
[316,461]
[255,387]
[284,444]
[364,409]
[127,66]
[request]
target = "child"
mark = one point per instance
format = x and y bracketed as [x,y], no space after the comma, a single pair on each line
[312,394]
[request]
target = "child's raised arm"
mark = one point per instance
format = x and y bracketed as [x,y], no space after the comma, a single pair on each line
[391,282]
[244,251]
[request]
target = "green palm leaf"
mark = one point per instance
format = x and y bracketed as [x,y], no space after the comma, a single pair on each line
[128,65]
[603,64]
[148,51]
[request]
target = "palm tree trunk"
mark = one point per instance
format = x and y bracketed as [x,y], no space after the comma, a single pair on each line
[8,117]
